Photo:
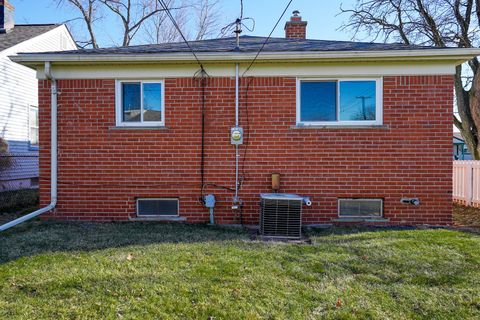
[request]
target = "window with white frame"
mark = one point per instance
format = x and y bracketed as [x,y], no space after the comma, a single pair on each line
[33,127]
[339,102]
[140,103]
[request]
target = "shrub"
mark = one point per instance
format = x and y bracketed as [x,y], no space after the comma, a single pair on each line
[16,200]
[5,160]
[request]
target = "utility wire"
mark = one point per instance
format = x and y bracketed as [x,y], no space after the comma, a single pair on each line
[247,142]
[169,14]
[268,38]
[132,184]
[203,82]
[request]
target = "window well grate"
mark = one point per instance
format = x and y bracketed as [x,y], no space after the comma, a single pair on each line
[157,207]
[361,208]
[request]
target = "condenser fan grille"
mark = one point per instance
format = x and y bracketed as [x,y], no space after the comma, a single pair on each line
[281,217]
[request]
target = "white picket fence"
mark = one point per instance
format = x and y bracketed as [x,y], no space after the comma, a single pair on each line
[466,182]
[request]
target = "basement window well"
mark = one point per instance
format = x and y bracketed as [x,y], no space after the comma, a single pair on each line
[360,208]
[154,207]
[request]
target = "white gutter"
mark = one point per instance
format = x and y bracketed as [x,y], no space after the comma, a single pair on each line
[53,165]
[421,54]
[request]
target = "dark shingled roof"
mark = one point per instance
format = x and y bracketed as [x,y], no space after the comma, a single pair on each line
[23,32]
[248,44]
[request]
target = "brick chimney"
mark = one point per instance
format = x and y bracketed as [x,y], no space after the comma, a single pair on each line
[6,16]
[296,28]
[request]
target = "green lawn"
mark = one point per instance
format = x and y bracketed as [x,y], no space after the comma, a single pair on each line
[162,271]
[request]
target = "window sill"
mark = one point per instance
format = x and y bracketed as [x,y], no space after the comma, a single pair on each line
[159,218]
[138,128]
[340,126]
[366,219]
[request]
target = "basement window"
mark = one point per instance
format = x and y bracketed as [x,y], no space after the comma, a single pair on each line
[140,103]
[152,207]
[360,208]
[339,102]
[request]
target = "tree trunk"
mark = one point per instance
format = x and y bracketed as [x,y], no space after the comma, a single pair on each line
[467,126]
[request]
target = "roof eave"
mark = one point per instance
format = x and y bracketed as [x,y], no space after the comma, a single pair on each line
[459,55]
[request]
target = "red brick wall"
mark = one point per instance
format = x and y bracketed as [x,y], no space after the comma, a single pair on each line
[103,170]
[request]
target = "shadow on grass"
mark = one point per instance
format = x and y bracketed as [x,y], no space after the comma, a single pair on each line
[39,237]
[355,234]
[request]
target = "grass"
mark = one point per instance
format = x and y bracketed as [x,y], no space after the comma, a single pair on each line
[168,271]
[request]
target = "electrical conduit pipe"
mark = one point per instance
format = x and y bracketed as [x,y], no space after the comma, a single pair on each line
[237,154]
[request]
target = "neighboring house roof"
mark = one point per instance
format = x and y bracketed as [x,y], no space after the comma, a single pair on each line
[250,44]
[23,32]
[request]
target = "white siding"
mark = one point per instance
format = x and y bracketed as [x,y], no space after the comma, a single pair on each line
[18,91]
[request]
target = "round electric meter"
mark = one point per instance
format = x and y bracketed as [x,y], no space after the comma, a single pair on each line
[236,135]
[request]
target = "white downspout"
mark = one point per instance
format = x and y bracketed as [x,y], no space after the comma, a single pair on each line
[53,164]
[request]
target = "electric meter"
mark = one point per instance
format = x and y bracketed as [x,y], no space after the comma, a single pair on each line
[236,135]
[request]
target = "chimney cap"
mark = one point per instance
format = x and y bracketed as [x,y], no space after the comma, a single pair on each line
[296,18]
[295,28]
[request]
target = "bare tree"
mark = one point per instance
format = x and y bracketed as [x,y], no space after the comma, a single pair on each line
[441,23]
[193,17]
[159,29]
[197,19]
[133,14]
[206,18]
[89,10]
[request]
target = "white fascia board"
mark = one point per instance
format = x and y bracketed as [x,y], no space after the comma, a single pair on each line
[457,54]
[278,69]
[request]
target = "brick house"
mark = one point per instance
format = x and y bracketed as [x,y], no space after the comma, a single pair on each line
[357,127]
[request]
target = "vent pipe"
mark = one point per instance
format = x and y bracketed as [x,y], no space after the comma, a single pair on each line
[238,30]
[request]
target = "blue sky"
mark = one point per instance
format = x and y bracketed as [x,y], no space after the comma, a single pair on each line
[321,15]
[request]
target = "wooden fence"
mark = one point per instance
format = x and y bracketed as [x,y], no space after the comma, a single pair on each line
[466,182]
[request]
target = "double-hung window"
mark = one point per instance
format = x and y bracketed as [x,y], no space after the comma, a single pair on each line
[140,103]
[339,102]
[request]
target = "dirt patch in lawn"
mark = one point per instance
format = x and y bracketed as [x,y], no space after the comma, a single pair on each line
[466,217]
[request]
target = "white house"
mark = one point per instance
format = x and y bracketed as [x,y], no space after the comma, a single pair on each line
[19,93]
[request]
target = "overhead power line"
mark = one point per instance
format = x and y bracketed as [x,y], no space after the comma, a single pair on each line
[268,38]
[169,14]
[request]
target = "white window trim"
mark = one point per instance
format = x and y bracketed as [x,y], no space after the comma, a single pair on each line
[30,145]
[158,215]
[378,110]
[118,104]
[360,216]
